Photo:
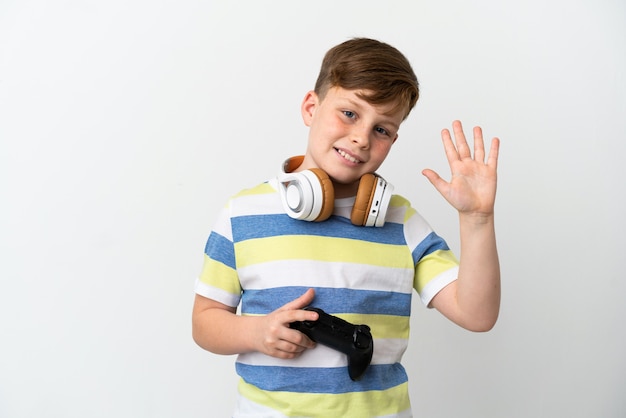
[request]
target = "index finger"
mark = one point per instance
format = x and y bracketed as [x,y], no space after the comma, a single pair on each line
[294,308]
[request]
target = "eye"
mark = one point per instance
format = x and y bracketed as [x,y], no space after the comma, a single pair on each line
[382,131]
[349,114]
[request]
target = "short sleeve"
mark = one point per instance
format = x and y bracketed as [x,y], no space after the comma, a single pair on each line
[218,279]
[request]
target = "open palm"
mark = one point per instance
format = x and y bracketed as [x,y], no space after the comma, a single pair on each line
[472,187]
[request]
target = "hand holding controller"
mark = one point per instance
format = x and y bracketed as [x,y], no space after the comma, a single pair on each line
[353,340]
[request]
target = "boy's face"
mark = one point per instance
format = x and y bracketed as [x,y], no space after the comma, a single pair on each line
[348,137]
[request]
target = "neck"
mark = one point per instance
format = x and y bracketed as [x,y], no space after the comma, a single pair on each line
[345,190]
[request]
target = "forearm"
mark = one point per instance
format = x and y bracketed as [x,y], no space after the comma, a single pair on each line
[478,284]
[217,328]
[222,331]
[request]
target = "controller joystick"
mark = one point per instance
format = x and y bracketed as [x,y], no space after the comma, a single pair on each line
[353,340]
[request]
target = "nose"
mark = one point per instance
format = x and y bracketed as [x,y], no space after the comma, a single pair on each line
[360,136]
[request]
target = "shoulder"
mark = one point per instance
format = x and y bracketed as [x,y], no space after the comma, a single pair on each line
[255,193]
[399,201]
[261,199]
[400,210]
[267,187]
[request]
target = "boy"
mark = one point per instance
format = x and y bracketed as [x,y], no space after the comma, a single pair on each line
[275,254]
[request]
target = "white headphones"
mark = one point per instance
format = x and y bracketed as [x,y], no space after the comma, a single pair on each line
[309,195]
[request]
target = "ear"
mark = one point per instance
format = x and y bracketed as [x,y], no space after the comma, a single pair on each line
[309,104]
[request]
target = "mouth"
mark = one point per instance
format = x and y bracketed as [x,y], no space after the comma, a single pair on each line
[348,157]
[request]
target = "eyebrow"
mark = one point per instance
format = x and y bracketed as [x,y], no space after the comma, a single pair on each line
[393,125]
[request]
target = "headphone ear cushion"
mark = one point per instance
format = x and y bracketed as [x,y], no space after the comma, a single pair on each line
[328,195]
[363,201]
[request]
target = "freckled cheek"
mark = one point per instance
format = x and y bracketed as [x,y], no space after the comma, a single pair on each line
[381,149]
[327,130]
[335,127]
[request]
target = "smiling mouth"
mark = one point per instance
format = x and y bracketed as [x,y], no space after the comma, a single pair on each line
[347,156]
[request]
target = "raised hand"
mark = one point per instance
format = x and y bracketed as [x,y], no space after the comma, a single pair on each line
[472,187]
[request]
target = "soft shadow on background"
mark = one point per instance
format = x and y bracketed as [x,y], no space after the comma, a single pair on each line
[125,125]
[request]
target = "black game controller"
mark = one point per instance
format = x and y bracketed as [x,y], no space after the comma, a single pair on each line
[353,340]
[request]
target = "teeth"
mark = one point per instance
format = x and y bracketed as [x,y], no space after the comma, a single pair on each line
[348,157]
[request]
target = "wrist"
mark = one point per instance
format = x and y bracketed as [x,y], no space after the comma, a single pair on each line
[252,338]
[476,218]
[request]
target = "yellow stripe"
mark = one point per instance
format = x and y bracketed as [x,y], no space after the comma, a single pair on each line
[432,265]
[353,405]
[263,188]
[327,249]
[382,326]
[219,275]
[398,201]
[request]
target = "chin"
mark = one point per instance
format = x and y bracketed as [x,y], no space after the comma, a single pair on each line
[346,183]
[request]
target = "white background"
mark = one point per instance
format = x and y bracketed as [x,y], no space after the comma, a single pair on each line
[125,125]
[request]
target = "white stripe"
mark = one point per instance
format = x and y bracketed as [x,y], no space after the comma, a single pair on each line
[389,350]
[216,294]
[435,285]
[416,230]
[395,214]
[403,414]
[222,226]
[386,351]
[245,408]
[311,273]
[320,356]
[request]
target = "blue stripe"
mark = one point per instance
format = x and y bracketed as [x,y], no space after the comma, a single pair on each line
[264,226]
[321,380]
[331,300]
[430,244]
[220,249]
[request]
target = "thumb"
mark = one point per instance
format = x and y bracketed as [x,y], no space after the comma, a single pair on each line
[435,179]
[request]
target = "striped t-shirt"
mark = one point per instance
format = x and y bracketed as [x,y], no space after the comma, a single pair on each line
[259,257]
